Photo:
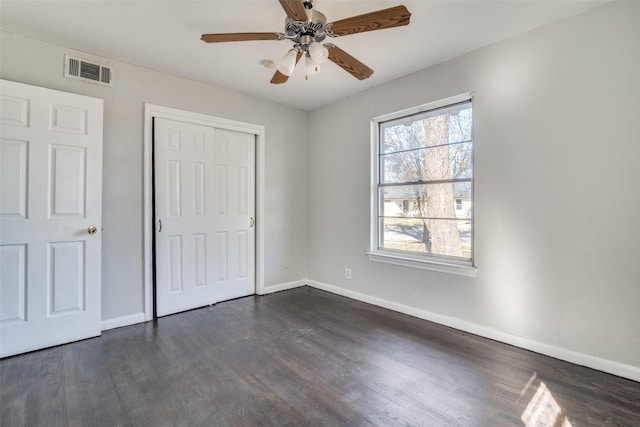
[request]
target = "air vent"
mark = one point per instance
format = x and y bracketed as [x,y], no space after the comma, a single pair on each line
[88,70]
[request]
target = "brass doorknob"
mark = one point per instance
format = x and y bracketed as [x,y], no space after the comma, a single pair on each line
[93,229]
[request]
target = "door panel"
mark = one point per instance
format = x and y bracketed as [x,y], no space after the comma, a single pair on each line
[67,181]
[13,275]
[13,178]
[66,277]
[236,160]
[205,202]
[51,182]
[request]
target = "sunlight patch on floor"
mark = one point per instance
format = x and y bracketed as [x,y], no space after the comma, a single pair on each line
[542,410]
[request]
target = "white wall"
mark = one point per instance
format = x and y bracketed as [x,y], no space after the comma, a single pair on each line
[37,63]
[557,163]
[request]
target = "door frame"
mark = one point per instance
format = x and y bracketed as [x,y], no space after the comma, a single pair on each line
[151,111]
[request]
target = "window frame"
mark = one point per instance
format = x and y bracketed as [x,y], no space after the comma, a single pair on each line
[432,262]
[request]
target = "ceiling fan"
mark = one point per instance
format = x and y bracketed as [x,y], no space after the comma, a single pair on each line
[307,29]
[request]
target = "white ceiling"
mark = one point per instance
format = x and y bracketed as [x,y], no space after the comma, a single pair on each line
[165,36]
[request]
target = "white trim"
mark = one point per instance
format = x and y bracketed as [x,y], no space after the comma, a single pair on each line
[406,261]
[374,169]
[425,107]
[151,111]
[604,365]
[121,321]
[283,287]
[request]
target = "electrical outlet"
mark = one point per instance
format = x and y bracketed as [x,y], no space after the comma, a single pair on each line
[286,264]
[347,273]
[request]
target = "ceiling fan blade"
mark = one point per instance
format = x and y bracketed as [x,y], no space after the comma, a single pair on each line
[294,9]
[386,18]
[348,63]
[279,78]
[238,37]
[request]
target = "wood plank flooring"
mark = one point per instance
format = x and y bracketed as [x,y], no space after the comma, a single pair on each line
[304,358]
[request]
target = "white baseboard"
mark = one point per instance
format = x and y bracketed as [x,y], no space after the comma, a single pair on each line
[283,286]
[615,368]
[119,322]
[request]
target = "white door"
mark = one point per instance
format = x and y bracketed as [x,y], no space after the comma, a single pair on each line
[50,217]
[204,215]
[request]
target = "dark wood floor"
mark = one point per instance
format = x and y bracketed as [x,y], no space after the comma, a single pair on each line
[304,357]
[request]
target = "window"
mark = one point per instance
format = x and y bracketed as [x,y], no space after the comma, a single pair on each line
[422,202]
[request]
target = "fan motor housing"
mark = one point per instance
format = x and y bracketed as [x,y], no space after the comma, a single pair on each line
[314,26]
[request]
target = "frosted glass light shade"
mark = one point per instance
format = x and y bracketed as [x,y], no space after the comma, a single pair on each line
[318,52]
[288,63]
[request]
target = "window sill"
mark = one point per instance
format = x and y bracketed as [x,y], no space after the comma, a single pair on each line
[442,267]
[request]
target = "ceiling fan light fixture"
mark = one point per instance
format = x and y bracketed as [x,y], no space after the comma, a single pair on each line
[318,52]
[288,63]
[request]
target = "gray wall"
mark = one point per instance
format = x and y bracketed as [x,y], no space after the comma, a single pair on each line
[557,163]
[37,63]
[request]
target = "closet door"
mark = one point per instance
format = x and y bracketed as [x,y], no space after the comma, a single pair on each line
[205,215]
